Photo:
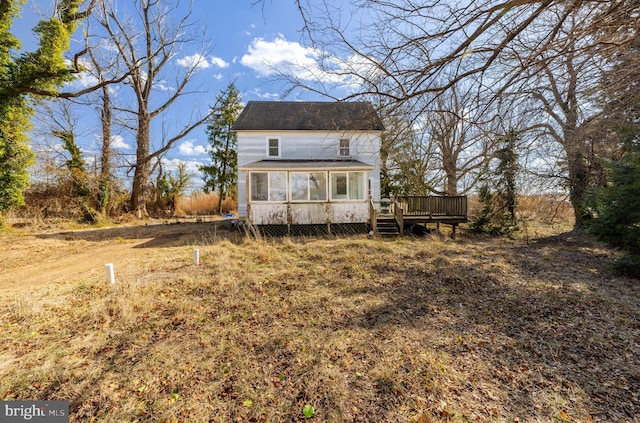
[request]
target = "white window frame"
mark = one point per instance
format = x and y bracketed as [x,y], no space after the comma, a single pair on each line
[342,150]
[268,200]
[308,199]
[268,150]
[348,173]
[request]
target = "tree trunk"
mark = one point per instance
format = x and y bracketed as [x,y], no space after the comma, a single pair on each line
[578,185]
[223,178]
[451,173]
[105,157]
[142,170]
[452,184]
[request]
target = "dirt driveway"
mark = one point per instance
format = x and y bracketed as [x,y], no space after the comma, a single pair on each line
[57,257]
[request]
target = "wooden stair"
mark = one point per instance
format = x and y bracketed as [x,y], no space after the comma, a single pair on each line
[387,227]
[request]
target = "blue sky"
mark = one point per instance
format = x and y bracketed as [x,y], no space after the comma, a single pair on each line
[246,42]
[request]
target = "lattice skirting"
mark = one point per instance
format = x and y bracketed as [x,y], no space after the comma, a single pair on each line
[341,229]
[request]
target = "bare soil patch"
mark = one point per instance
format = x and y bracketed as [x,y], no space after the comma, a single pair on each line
[409,330]
[56,256]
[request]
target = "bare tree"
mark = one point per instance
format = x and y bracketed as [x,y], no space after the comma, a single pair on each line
[406,49]
[442,147]
[408,162]
[412,52]
[146,42]
[461,130]
[559,89]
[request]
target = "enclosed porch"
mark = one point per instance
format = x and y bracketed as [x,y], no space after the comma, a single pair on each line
[293,193]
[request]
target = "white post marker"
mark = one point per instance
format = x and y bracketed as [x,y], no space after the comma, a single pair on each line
[196,257]
[110,275]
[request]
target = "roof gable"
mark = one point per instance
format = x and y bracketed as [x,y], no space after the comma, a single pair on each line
[308,116]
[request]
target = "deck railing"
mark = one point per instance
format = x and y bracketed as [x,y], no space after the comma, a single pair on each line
[431,205]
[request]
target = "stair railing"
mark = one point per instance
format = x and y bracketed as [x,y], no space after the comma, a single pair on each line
[398,214]
[373,216]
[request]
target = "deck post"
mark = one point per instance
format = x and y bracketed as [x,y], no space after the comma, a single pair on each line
[398,214]
[373,218]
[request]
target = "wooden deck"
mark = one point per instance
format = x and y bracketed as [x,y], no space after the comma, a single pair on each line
[405,211]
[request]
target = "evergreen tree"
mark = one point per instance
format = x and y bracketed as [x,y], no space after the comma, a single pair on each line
[498,214]
[221,175]
[615,206]
[506,172]
[37,73]
[617,209]
[171,187]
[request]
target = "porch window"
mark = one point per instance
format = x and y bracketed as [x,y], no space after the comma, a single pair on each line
[318,186]
[268,186]
[339,186]
[356,186]
[347,186]
[299,186]
[259,186]
[277,186]
[308,186]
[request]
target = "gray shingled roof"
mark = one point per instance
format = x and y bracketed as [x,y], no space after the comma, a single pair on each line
[310,116]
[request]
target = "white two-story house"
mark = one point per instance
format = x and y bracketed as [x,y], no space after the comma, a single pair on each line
[308,163]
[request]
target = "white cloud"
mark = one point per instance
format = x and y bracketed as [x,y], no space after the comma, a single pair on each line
[171,165]
[89,160]
[118,142]
[188,148]
[50,148]
[265,95]
[280,56]
[198,61]
[216,61]
[163,85]
[85,80]
[218,76]
[268,58]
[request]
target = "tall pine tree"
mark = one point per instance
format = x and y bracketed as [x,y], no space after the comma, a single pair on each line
[616,207]
[221,175]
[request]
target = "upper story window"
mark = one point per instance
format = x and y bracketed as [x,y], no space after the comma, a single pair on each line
[273,147]
[343,150]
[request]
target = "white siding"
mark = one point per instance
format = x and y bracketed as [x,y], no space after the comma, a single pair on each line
[269,214]
[308,145]
[305,214]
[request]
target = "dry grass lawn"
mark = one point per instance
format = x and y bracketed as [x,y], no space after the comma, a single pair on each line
[408,330]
